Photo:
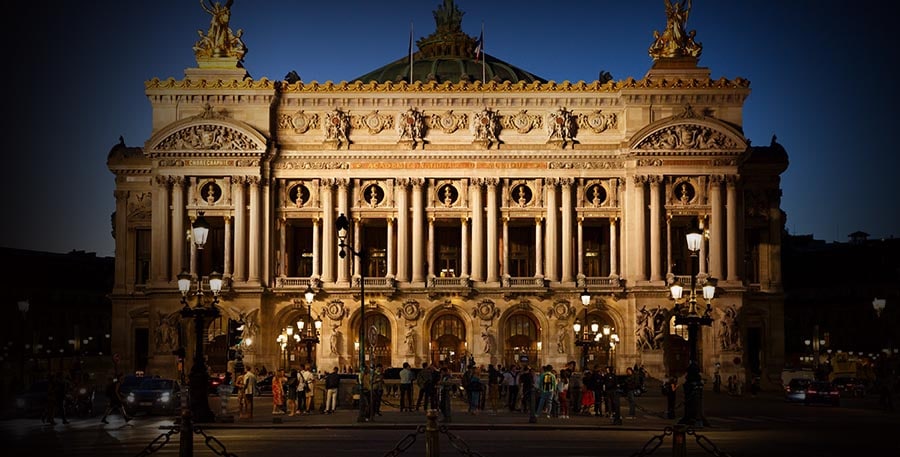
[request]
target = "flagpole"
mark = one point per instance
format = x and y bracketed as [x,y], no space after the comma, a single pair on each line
[410,52]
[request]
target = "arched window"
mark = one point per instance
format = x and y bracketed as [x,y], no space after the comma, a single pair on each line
[448,344]
[520,337]
[379,325]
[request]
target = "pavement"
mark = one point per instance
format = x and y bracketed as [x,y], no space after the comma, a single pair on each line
[650,416]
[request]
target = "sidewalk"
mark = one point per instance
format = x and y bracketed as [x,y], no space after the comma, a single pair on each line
[649,417]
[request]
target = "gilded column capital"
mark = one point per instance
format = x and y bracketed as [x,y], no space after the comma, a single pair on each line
[716,179]
[492,182]
[639,179]
[417,182]
[402,183]
[732,180]
[253,180]
[566,182]
[239,180]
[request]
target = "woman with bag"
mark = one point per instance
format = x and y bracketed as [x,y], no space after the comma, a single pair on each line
[277,392]
[292,393]
[307,378]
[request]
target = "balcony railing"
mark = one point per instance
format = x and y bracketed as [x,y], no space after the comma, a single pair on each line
[524,281]
[438,282]
[295,283]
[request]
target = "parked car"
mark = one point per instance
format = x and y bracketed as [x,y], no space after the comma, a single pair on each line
[795,390]
[33,402]
[849,386]
[154,396]
[822,393]
[129,383]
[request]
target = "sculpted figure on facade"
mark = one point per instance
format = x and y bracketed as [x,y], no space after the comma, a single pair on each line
[409,339]
[219,40]
[486,126]
[487,338]
[167,332]
[411,127]
[335,340]
[562,126]
[337,128]
[562,336]
[729,332]
[674,41]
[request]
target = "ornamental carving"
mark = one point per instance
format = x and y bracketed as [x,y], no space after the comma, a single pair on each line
[337,127]
[606,165]
[335,310]
[598,121]
[486,310]
[410,310]
[300,122]
[219,41]
[139,206]
[562,309]
[729,330]
[562,126]
[208,137]
[374,122]
[522,122]
[448,122]
[167,330]
[412,127]
[486,127]
[686,136]
[306,165]
[675,41]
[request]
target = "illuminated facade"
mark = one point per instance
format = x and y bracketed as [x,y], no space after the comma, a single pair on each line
[484,209]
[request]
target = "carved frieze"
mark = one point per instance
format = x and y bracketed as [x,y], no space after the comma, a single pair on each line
[299,122]
[307,165]
[686,136]
[374,122]
[562,125]
[139,206]
[410,310]
[605,165]
[448,122]
[337,128]
[412,127]
[522,122]
[486,127]
[598,121]
[214,137]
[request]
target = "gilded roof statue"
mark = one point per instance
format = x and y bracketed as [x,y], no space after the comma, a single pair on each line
[219,42]
[448,18]
[674,42]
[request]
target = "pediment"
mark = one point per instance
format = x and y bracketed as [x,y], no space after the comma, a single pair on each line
[688,133]
[207,135]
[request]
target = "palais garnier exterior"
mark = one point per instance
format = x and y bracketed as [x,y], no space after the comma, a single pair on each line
[483,202]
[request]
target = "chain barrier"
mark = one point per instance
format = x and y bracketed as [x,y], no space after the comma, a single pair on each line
[406,442]
[211,439]
[703,441]
[155,445]
[458,443]
[655,442]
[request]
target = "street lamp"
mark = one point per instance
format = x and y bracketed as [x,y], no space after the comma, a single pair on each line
[309,334]
[586,336]
[689,316]
[343,225]
[199,376]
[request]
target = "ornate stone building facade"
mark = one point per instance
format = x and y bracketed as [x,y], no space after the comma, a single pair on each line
[484,209]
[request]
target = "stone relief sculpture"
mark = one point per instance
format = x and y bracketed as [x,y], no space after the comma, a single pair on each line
[486,126]
[562,335]
[337,128]
[562,126]
[412,127]
[650,328]
[729,332]
[219,41]
[409,339]
[335,340]
[674,41]
[167,332]
[687,136]
[487,339]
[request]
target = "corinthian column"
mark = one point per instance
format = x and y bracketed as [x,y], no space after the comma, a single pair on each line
[732,224]
[329,243]
[343,264]
[418,227]
[402,230]
[256,242]
[178,232]
[638,242]
[550,246]
[715,227]
[567,242]
[240,227]
[160,230]
[538,249]
[655,251]
[492,239]
[477,208]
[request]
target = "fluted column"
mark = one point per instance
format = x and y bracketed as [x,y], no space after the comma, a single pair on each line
[255,243]
[282,247]
[580,267]
[704,248]
[357,241]
[402,230]
[493,241]
[506,246]
[732,224]
[551,252]
[240,227]
[316,249]
[343,264]
[639,241]
[430,244]
[669,244]
[418,228]
[613,248]
[329,240]
[391,248]
[464,245]
[655,251]
[538,249]
[228,248]
[178,232]
[160,230]
[567,241]
[715,227]
[477,208]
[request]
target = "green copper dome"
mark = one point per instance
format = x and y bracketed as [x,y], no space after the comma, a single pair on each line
[448,54]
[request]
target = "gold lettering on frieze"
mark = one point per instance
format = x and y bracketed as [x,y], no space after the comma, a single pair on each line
[210,163]
[448,165]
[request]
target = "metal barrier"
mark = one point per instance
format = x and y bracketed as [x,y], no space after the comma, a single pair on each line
[679,435]
[432,432]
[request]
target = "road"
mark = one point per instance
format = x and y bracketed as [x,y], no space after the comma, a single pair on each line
[739,426]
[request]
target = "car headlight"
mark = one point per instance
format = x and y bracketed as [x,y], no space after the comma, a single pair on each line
[130,398]
[82,391]
[165,397]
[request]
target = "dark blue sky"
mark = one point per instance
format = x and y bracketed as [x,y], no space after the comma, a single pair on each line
[820,74]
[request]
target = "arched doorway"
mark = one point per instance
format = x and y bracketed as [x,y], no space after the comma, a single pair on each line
[520,336]
[448,344]
[378,339]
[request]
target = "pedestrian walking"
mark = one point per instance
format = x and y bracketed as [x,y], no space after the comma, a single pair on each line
[547,387]
[115,401]
[332,385]
[447,387]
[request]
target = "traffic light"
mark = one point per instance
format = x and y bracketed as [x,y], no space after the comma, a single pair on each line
[235,337]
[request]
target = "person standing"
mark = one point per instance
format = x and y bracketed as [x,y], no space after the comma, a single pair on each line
[291,392]
[239,389]
[575,385]
[278,392]
[446,385]
[493,392]
[250,390]
[332,384]
[512,389]
[307,380]
[631,385]
[56,398]
[406,380]
[562,389]
[421,380]
[547,387]
[116,402]
[475,387]
[670,389]
[377,388]
[526,383]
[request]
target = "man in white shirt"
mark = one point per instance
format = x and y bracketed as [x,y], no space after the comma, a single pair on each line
[250,388]
[406,380]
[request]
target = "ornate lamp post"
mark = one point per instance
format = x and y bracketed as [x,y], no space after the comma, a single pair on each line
[689,316]
[586,336]
[343,225]
[309,334]
[199,376]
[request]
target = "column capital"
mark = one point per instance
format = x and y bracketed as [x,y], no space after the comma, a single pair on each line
[161,180]
[491,182]
[716,179]
[654,180]
[238,179]
[177,181]
[253,180]
[639,179]
[417,183]
[566,182]
[732,180]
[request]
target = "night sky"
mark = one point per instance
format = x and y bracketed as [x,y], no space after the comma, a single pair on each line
[819,73]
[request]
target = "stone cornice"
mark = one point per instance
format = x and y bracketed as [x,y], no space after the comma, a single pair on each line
[460,87]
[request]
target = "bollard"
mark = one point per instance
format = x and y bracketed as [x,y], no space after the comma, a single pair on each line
[432,447]
[679,440]
[186,440]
